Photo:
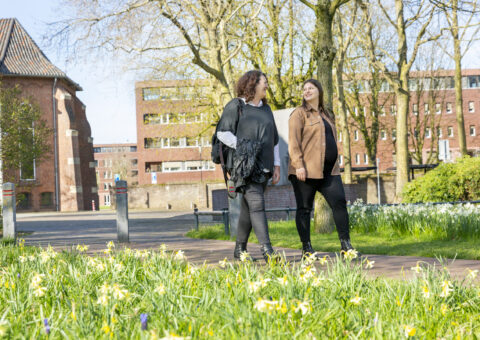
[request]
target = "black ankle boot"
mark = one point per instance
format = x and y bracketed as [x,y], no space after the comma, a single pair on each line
[267,252]
[346,246]
[240,247]
[307,249]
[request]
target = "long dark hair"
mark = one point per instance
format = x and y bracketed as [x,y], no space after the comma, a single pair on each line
[320,107]
[247,83]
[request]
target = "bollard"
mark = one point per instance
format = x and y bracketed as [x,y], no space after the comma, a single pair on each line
[195,213]
[122,211]
[288,213]
[93,205]
[9,211]
[226,221]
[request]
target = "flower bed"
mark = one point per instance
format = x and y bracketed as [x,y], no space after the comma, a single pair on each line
[146,295]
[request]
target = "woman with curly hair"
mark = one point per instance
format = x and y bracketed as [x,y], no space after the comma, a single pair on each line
[247,125]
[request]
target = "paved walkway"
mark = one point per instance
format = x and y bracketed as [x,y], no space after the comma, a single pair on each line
[148,230]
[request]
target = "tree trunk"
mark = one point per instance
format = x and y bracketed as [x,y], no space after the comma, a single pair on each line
[342,112]
[325,54]
[401,143]
[323,217]
[462,140]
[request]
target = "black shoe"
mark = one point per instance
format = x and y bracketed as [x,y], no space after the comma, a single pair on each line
[240,247]
[307,249]
[346,246]
[268,252]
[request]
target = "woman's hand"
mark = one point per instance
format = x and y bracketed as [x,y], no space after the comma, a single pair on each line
[276,174]
[301,174]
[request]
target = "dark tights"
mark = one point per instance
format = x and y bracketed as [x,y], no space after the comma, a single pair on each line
[331,188]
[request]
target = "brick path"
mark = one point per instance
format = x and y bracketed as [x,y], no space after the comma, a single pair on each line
[148,230]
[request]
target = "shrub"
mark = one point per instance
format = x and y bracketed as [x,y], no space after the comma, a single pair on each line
[459,181]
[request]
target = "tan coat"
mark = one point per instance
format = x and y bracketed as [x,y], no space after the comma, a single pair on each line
[306,142]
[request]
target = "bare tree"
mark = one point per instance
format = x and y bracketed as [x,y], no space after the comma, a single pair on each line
[403,59]
[454,12]
[205,34]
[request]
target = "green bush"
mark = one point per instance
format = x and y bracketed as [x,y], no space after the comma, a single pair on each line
[459,181]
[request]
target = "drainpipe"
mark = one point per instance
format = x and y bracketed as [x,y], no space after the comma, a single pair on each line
[55,147]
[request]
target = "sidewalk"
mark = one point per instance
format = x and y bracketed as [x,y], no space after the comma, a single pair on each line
[148,230]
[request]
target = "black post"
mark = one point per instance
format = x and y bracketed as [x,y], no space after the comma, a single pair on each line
[195,213]
[226,222]
[288,213]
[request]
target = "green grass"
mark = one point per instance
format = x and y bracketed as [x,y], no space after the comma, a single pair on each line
[284,234]
[103,297]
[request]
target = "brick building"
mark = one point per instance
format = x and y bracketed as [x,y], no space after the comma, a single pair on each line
[432,120]
[113,160]
[173,134]
[65,180]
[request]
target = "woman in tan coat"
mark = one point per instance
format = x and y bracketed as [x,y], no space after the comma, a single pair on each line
[313,166]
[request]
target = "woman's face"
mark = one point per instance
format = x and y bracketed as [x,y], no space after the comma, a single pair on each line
[261,88]
[310,92]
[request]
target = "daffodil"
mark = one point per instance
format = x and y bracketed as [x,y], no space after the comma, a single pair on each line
[323,260]
[356,300]
[426,292]
[179,255]
[254,286]
[350,254]
[102,300]
[282,280]
[223,263]
[244,256]
[82,248]
[446,288]
[160,290]
[39,291]
[369,264]
[409,331]
[303,307]
[417,269]
[472,274]
[443,309]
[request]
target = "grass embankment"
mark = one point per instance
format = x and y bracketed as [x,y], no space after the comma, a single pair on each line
[432,231]
[284,234]
[145,295]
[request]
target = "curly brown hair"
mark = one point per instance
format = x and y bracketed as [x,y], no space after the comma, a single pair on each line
[247,83]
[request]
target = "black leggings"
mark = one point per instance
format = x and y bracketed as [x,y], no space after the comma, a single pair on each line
[252,214]
[331,188]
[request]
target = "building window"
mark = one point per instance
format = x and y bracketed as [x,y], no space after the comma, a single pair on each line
[472,130]
[105,186]
[365,158]
[134,173]
[450,131]
[383,135]
[471,107]
[24,201]
[428,133]
[426,110]
[46,200]
[153,167]
[134,162]
[357,158]
[105,175]
[449,107]
[340,160]
[394,134]
[192,141]
[206,141]
[473,81]
[439,132]
[438,108]
[393,109]
[355,135]
[415,109]
[152,143]
[106,199]
[155,118]
[382,111]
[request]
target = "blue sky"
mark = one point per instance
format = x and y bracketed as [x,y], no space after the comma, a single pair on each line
[107,93]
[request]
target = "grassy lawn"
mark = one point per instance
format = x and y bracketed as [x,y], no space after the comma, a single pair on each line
[133,294]
[284,234]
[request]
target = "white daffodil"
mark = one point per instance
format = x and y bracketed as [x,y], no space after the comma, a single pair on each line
[356,300]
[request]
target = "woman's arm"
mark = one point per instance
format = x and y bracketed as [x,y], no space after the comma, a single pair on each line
[227,138]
